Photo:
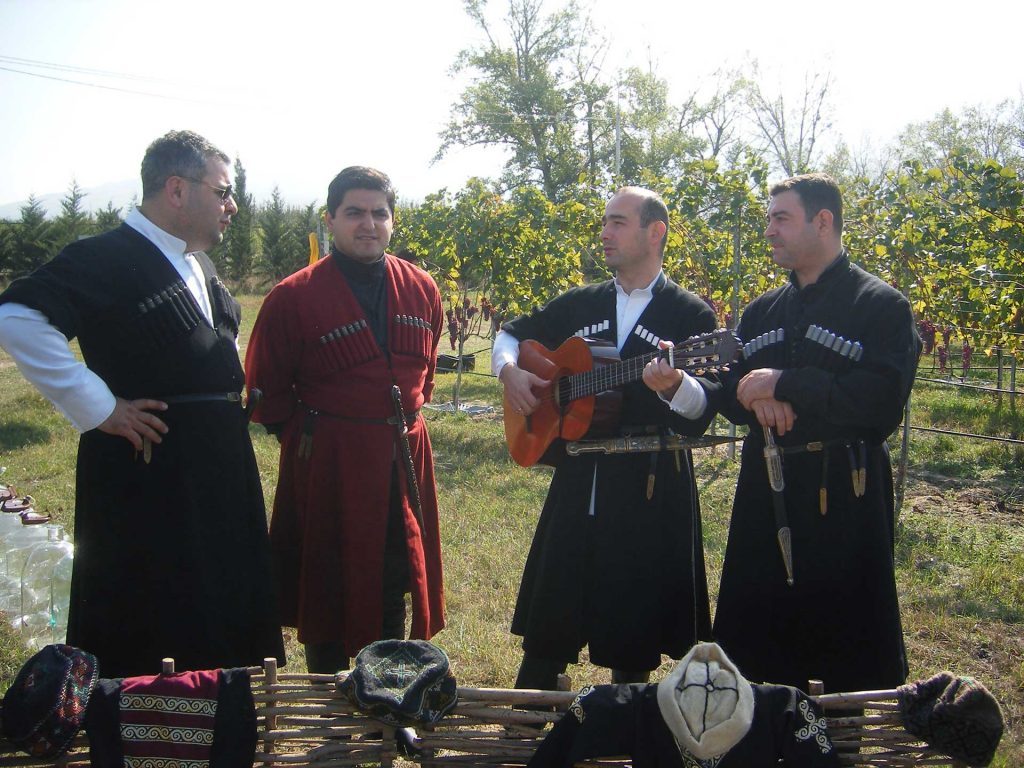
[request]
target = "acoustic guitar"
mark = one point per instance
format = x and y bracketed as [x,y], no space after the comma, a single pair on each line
[580,370]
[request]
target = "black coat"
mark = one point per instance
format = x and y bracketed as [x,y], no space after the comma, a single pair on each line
[630,580]
[840,621]
[171,557]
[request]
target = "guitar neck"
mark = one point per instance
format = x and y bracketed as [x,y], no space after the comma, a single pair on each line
[608,376]
[711,351]
[617,374]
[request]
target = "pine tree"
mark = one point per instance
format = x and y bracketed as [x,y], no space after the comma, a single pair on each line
[34,238]
[237,254]
[74,221]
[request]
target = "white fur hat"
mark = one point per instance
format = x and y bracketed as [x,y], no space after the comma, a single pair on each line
[706,703]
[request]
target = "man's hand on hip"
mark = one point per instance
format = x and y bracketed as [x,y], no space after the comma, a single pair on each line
[132,420]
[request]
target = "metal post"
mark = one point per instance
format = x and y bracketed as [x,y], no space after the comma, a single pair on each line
[901,469]
[1013,385]
[999,376]
[736,264]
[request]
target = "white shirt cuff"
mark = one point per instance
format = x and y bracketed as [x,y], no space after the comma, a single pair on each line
[504,351]
[690,400]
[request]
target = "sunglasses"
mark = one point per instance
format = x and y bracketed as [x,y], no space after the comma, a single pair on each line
[222,192]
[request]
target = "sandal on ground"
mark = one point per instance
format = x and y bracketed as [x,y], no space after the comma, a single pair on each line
[16,504]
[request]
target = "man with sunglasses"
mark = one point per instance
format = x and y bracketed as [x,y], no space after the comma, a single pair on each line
[171,548]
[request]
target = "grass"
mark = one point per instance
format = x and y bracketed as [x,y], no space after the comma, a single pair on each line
[960,538]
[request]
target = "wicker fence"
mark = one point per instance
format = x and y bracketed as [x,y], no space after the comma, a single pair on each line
[304,720]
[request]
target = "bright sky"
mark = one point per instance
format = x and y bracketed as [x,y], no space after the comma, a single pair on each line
[304,88]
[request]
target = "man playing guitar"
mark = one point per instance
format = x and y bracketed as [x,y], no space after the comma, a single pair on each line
[617,561]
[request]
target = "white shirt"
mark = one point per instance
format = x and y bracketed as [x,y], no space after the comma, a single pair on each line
[45,359]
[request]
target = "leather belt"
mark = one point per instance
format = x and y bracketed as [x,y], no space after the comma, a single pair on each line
[312,414]
[203,397]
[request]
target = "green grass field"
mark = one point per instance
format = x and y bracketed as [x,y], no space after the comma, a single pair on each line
[960,543]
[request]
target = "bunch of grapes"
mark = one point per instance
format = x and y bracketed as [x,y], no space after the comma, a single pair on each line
[928,331]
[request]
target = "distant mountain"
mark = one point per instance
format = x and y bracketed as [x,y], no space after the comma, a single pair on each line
[122,194]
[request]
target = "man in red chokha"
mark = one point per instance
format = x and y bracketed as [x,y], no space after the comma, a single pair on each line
[355,522]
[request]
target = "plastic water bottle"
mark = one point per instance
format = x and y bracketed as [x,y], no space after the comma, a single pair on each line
[16,546]
[45,590]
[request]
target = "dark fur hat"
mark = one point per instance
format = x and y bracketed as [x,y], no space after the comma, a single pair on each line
[955,715]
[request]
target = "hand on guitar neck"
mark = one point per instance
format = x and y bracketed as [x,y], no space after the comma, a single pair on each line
[519,388]
[661,377]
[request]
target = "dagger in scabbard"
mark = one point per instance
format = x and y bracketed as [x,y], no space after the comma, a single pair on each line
[773,461]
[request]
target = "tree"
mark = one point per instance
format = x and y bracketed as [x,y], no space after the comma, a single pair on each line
[657,136]
[108,218]
[978,133]
[790,127]
[7,249]
[284,244]
[34,239]
[74,221]
[238,250]
[526,95]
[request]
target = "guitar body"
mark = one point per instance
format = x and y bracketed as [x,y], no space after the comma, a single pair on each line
[528,437]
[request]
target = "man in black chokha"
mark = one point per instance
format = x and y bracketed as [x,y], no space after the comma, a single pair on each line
[617,561]
[830,360]
[172,556]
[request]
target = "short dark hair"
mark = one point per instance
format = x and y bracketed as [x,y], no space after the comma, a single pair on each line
[359,177]
[652,208]
[817,192]
[176,153]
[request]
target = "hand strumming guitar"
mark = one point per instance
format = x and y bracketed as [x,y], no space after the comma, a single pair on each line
[519,386]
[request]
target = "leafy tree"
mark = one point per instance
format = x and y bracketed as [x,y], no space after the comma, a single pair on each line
[978,133]
[526,95]
[657,137]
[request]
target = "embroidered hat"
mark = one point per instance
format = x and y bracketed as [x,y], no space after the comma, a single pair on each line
[706,703]
[402,682]
[45,706]
[955,715]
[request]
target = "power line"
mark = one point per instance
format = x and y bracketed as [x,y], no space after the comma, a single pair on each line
[113,88]
[81,70]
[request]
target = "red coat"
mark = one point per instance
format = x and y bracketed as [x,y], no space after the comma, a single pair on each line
[311,349]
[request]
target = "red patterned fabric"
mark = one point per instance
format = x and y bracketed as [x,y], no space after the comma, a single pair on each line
[169,718]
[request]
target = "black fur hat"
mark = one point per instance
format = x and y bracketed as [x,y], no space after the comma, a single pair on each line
[955,715]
